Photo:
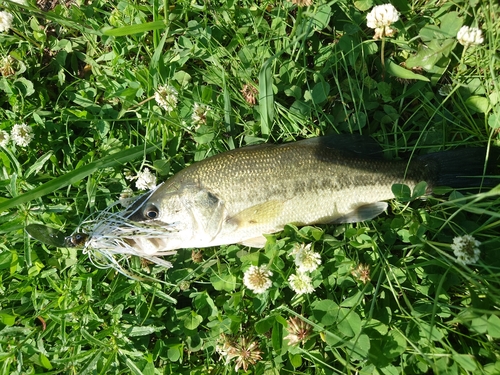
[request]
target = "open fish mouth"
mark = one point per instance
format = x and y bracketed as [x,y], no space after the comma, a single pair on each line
[110,239]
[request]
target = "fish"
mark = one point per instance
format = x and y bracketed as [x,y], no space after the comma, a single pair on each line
[238,196]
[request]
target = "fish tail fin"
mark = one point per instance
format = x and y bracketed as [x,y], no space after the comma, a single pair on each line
[464,168]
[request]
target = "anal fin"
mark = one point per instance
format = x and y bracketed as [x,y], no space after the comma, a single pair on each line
[362,213]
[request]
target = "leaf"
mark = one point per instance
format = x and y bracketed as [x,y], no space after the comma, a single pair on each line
[295,359]
[319,93]
[359,347]
[266,98]
[192,321]
[25,86]
[349,323]
[494,121]
[477,103]
[183,78]
[465,361]
[428,332]
[277,335]
[363,5]
[401,192]
[264,325]
[430,32]
[357,297]
[419,190]
[325,311]
[7,319]
[398,71]
[5,260]
[135,29]
[223,282]
[451,23]
[433,57]
[322,17]
[425,58]
[142,330]
[494,326]
[174,352]
[102,127]
[37,165]
[397,344]
[205,305]
[155,59]
[44,361]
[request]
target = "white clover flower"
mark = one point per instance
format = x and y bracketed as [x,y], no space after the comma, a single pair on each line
[145,180]
[199,116]
[245,353]
[5,21]
[249,92]
[22,134]
[381,18]
[257,279]
[166,97]
[20,2]
[298,331]
[6,66]
[306,259]
[362,273]
[126,197]
[466,249]
[4,138]
[445,90]
[301,283]
[470,36]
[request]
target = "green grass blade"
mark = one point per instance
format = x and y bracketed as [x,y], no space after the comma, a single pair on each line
[135,29]
[400,72]
[113,160]
[266,97]
[227,112]
[38,165]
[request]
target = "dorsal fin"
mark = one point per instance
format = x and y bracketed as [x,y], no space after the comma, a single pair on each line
[355,144]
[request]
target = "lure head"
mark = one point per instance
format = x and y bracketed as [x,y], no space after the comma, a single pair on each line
[77,239]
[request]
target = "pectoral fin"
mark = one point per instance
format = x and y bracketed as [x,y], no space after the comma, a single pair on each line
[362,213]
[260,214]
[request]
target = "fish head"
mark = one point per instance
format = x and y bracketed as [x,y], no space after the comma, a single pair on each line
[160,207]
[173,217]
[162,221]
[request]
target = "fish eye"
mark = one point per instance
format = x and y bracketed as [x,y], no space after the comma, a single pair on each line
[151,212]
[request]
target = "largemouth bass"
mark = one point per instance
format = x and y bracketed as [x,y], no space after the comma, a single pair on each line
[238,196]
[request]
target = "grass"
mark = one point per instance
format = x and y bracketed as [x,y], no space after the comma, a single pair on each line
[83,75]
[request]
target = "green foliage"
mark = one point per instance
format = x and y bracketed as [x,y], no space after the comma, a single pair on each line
[389,296]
